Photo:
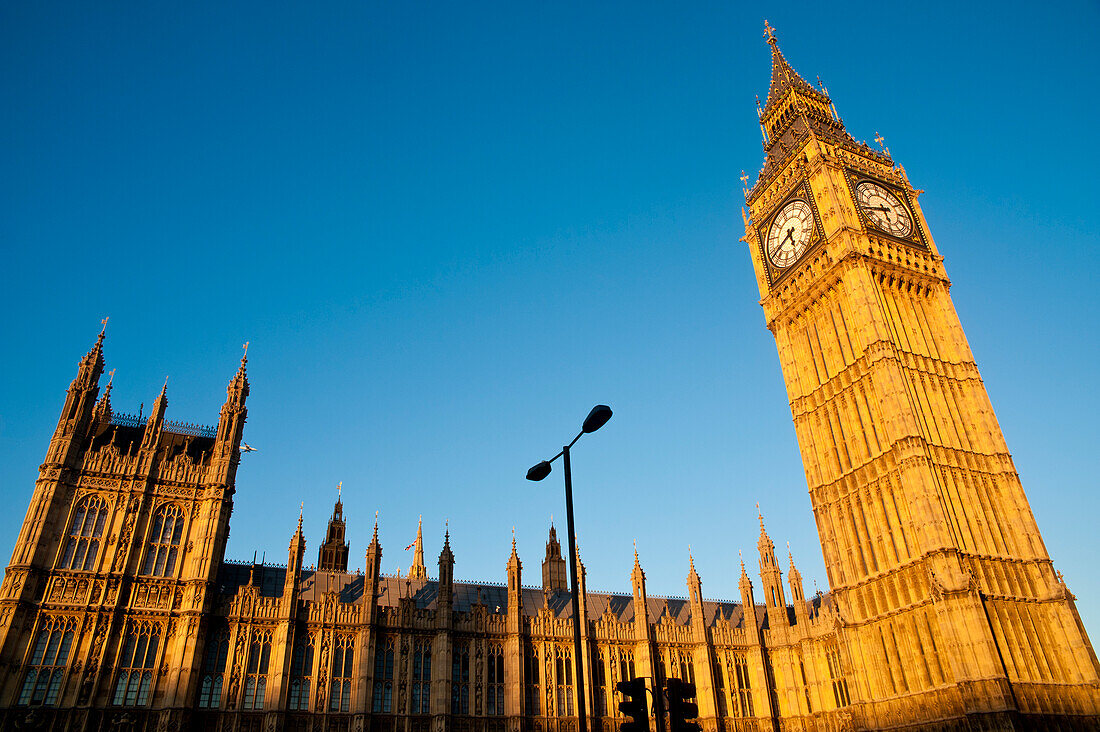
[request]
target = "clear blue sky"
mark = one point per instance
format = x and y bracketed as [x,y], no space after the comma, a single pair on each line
[449,229]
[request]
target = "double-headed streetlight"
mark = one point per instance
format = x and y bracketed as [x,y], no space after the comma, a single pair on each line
[596,418]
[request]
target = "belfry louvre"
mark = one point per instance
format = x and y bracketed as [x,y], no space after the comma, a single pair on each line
[119,611]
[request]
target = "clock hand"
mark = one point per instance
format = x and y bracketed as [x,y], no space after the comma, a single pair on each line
[790,235]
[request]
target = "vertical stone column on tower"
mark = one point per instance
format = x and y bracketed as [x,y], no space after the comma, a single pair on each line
[702,652]
[513,644]
[443,645]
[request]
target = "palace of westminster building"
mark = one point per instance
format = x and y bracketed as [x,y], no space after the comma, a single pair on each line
[118,610]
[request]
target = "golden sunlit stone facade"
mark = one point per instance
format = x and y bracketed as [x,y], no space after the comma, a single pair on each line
[949,607]
[119,611]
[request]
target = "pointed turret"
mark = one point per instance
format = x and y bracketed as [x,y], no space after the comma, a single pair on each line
[295,555]
[515,571]
[155,423]
[794,577]
[793,111]
[695,585]
[227,444]
[374,553]
[418,571]
[748,603]
[102,413]
[372,571]
[772,579]
[332,556]
[446,574]
[80,402]
[553,565]
[641,614]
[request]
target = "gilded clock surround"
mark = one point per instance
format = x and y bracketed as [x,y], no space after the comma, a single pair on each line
[916,235]
[800,191]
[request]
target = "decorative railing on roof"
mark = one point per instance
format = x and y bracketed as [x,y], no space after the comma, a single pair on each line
[187,428]
[126,420]
[180,428]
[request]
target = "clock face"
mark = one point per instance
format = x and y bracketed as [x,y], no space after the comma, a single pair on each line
[883,209]
[790,233]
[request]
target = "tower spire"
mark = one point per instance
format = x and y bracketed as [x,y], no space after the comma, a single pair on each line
[418,570]
[332,555]
[793,111]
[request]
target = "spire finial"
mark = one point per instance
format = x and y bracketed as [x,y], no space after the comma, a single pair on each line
[375,540]
[164,389]
[769,33]
[513,539]
[112,377]
[340,491]
[103,331]
[301,513]
[880,139]
[244,358]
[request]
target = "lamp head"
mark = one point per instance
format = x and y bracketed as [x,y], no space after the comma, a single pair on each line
[539,471]
[596,418]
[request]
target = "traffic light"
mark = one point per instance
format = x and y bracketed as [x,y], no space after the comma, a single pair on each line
[681,712]
[635,706]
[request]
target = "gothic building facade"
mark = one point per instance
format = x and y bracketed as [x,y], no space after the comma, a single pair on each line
[118,609]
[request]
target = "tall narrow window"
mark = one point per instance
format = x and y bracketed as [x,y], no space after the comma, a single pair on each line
[136,663]
[301,671]
[495,702]
[744,687]
[213,669]
[460,679]
[383,676]
[687,668]
[164,541]
[343,654]
[255,680]
[720,687]
[531,694]
[601,686]
[836,675]
[626,666]
[564,668]
[82,546]
[46,666]
[422,677]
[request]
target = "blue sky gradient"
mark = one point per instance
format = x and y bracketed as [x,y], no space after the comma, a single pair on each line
[449,230]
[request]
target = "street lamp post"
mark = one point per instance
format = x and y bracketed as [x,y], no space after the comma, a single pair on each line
[595,419]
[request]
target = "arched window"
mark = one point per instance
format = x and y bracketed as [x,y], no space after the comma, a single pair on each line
[564,668]
[532,695]
[383,677]
[164,541]
[343,653]
[136,664]
[85,531]
[495,699]
[213,669]
[460,678]
[255,680]
[422,677]
[301,671]
[47,662]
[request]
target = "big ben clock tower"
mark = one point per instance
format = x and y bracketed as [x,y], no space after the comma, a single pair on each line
[952,615]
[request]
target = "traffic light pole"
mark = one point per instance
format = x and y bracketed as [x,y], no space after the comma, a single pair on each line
[658,704]
[582,713]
